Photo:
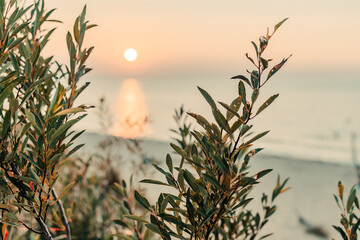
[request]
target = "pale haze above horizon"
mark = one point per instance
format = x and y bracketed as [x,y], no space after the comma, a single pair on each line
[211,37]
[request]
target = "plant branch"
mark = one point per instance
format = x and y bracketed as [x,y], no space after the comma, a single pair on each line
[38,218]
[63,214]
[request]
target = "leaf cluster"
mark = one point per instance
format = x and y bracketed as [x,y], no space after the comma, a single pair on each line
[349,221]
[37,112]
[212,181]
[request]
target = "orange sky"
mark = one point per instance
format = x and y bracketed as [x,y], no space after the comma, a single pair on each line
[211,37]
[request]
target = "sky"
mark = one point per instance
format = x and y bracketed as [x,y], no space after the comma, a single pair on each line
[191,38]
[184,44]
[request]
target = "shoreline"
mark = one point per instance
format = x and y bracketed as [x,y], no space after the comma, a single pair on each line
[166,145]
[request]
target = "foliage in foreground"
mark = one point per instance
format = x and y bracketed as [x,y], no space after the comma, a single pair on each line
[37,98]
[349,221]
[211,183]
[101,195]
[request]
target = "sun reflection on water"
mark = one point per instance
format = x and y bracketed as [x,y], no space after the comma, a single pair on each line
[131,115]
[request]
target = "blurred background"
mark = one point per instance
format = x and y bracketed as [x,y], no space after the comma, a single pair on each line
[183,44]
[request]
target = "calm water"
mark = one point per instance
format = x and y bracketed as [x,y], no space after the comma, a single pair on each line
[313,118]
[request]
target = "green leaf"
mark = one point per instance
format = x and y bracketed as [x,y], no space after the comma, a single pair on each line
[6,124]
[143,201]
[35,55]
[197,161]
[265,236]
[4,67]
[255,95]
[136,218]
[262,173]
[242,91]
[18,29]
[46,38]
[6,92]
[151,181]
[121,223]
[69,110]
[256,48]
[180,151]
[200,119]
[91,26]
[221,120]
[355,228]
[164,204]
[279,24]
[24,129]
[181,179]
[62,129]
[260,135]
[76,136]
[245,129]
[251,60]
[153,228]
[191,180]
[70,44]
[15,43]
[169,163]
[76,29]
[159,169]
[2,7]
[227,107]
[277,67]
[255,80]
[190,209]
[172,219]
[351,200]
[9,157]
[208,98]
[266,104]
[222,164]
[241,77]
[343,234]
[337,201]
[212,180]
[74,150]
[264,63]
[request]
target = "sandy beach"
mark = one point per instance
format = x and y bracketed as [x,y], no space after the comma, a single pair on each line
[312,184]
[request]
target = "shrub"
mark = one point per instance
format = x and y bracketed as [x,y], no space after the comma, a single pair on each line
[37,98]
[349,221]
[212,181]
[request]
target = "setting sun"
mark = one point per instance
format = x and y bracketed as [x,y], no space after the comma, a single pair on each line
[130,54]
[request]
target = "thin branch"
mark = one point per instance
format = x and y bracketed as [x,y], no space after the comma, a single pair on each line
[43,226]
[63,215]
[31,229]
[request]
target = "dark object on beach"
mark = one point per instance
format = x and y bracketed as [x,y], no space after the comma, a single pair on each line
[313,230]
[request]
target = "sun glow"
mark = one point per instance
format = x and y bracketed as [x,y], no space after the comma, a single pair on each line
[131,113]
[130,54]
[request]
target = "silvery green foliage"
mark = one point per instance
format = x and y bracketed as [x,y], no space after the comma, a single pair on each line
[37,114]
[212,180]
[349,221]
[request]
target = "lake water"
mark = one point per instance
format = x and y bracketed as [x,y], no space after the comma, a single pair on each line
[313,118]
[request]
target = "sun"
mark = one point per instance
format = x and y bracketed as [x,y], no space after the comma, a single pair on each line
[130,54]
